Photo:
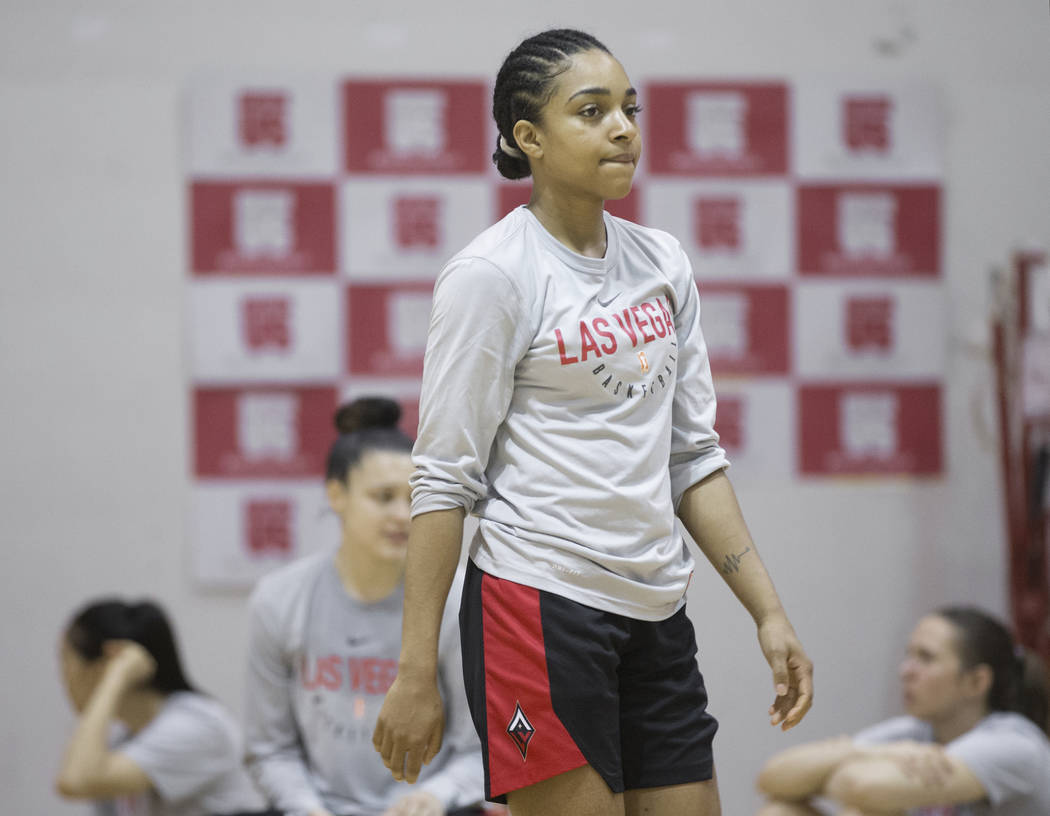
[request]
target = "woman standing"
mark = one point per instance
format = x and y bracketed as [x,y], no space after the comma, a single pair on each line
[147,743]
[325,635]
[567,402]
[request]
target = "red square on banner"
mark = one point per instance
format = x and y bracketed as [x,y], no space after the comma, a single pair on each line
[866,122]
[268,526]
[387,328]
[869,323]
[268,432]
[717,128]
[415,127]
[869,230]
[716,222]
[730,423]
[869,428]
[262,228]
[410,416]
[513,195]
[746,327]
[266,323]
[263,119]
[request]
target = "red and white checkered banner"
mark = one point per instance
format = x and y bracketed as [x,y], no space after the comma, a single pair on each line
[321,210]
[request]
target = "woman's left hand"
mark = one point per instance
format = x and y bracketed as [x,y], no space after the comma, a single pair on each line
[416,804]
[792,671]
[130,661]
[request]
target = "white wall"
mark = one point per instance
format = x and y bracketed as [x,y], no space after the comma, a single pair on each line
[93,407]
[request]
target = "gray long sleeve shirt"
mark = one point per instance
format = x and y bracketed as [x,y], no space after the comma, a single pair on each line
[320,663]
[567,402]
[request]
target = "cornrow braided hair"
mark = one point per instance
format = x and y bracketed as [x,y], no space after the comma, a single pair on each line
[525,83]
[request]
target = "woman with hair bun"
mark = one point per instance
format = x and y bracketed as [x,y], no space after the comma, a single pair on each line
[147,742]
[973,742]
[325,635]
[567,402]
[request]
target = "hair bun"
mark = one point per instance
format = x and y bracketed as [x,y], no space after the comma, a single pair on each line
[367,412]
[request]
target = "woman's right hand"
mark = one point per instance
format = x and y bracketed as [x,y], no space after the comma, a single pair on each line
[129,661]
[410,725]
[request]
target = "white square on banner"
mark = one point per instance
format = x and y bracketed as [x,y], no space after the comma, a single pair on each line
[407,228]
[265,331]
[867,224]
[870,330]
[737,230]
[755,421]
[726,324]
[409,322]
[863,129]
[715,123]
[267,425]
[260,126]
[264,222]
[239,531]
[415,121]
[868,425]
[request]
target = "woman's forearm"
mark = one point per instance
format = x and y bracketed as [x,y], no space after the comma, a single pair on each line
[434,543]
[710,512]
[85,756]
[803,771]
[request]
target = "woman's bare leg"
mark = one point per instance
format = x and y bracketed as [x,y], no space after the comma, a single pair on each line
[581,792]
[691,799]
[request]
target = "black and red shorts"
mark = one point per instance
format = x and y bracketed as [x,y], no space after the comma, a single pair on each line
[554,685]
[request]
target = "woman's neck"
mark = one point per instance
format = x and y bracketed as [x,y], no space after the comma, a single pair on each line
[367,579]
[957,723]
[575,222]
[138,708]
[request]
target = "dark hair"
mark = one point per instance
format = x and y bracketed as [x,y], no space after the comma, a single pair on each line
[982,639]
[143,622]
[524,85]
[368,423]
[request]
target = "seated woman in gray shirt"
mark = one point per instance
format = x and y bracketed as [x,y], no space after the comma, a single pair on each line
[324,644]
[973,743]
[146,743]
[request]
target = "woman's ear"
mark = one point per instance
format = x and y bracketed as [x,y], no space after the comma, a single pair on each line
[981,677]
[336,492]
[110,649]
[528,138]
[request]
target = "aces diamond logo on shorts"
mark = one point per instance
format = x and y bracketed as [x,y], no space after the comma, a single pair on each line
[520,730]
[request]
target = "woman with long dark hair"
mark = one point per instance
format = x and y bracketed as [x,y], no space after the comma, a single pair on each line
[973,742]
[145,738]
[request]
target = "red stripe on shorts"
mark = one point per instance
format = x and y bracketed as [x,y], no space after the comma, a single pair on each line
[516,678]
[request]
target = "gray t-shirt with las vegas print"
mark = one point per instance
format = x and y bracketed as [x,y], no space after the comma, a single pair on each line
[1007,753]
[320,663]
[567,402]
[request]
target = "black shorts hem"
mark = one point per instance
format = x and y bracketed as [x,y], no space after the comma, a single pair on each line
[704,772]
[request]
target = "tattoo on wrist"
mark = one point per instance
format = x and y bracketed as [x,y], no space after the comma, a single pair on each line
[732,562]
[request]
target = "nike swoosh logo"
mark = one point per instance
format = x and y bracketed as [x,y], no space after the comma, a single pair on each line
[610,300]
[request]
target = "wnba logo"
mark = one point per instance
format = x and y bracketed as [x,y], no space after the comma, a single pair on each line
[520,731]
[644,361]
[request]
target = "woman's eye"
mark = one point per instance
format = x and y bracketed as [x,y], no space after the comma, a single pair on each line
[632,110]
[590,111]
